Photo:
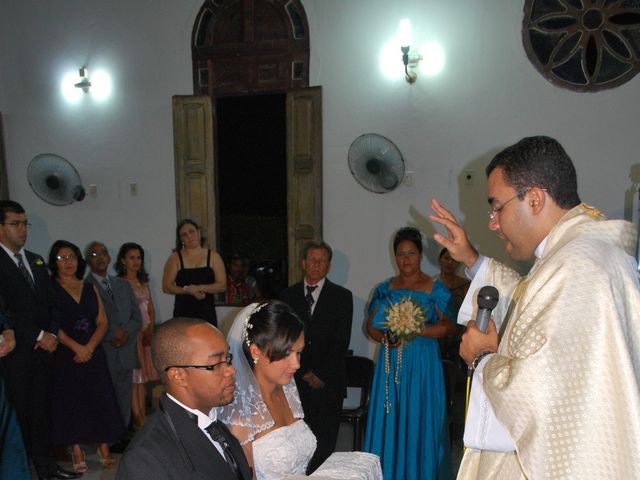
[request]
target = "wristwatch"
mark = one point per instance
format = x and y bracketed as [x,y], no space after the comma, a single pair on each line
[478,359]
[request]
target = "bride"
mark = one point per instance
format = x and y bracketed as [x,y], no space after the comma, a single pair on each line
[266,415]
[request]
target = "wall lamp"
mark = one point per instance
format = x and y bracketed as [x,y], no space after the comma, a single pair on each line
[84,82]
[410,62]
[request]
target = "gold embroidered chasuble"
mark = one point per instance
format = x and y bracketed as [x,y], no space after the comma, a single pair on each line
[565,380]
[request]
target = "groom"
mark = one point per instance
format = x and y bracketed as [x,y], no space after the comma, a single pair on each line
[183,439]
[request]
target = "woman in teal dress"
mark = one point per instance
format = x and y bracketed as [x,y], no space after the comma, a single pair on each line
[13,456]
[407,421]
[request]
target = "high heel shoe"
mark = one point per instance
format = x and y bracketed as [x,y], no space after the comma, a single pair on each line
[106,462]
[81,466]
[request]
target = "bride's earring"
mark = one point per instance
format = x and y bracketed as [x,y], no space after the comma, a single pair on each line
[255,360]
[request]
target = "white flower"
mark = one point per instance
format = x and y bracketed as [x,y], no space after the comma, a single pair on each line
[405,319]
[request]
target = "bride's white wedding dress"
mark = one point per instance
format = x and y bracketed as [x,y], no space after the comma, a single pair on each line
[285,450]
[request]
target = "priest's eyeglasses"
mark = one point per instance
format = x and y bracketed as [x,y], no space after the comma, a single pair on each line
[495,211]
[228,359]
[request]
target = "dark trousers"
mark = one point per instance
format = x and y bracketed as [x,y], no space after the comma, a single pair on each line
[29,389]
[322,414]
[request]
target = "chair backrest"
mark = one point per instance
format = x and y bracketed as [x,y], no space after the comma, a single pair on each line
[450,371]
[360,375]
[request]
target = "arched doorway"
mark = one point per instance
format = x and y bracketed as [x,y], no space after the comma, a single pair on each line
[244,51]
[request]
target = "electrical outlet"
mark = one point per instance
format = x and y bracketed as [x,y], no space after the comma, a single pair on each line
[408,178]
[92,191]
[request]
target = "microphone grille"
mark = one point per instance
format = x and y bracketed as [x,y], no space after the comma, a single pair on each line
[488,297]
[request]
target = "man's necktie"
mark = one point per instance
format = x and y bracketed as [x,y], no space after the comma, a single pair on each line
[309,298]
[218,436]
[25,272]
[107,287]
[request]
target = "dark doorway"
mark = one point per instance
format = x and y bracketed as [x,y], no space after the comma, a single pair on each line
[252,184]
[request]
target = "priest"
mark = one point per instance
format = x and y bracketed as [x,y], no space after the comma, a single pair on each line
[556,383]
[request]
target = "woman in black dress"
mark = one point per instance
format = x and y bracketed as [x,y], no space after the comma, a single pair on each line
[85,408]
[193,274]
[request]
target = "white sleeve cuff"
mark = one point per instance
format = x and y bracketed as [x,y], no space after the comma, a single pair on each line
[482,430]
[468,308]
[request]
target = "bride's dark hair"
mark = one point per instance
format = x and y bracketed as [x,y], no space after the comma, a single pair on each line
[274,327]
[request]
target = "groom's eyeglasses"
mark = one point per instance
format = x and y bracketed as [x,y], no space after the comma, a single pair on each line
[228,359]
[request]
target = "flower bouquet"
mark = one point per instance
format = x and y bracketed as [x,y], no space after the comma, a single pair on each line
[404,321]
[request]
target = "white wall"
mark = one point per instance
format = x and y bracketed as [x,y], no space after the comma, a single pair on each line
[488,97]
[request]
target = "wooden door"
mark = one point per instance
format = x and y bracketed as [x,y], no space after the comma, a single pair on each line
[193,126]
[193,123]
[304,173]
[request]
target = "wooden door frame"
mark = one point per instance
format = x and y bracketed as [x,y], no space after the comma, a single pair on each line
[195,160]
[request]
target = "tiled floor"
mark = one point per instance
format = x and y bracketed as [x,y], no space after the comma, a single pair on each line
[96,472]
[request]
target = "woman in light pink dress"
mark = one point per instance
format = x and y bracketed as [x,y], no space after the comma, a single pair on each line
[130,266]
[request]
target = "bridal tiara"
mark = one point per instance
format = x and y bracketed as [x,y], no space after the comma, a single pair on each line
[247,325]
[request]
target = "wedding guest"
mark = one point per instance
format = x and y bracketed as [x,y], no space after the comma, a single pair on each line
[326,310]
[193,274]
[124,320]
[26,288]
[458,286]
[85,408]
[239,289]
[266,282]
[130,266]
[13,455]
[406,424]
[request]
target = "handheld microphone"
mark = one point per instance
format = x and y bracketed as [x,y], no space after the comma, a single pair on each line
[487,301]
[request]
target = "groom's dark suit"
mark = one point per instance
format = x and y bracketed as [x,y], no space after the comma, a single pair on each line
[171,446]
[327,334]
[29,370]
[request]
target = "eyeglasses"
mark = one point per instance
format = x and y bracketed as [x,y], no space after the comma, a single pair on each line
[228,359]
[18,223]
[494,212]
[63,258]
[98,254]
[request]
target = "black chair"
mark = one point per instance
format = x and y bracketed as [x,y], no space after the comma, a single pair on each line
[450,371]
[359,375]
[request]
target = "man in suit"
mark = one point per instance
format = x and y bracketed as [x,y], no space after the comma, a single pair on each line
[26,289]
[125,320]
[183,439]
[326,310]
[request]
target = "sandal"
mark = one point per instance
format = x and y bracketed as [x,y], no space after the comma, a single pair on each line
[106,462]
[80,467]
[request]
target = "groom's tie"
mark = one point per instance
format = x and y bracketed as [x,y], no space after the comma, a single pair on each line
[218,436]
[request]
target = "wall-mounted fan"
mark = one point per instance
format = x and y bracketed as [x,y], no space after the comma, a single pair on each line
[376,163]
[55,180]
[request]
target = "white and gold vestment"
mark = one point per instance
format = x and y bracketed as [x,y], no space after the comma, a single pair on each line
[565,380]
